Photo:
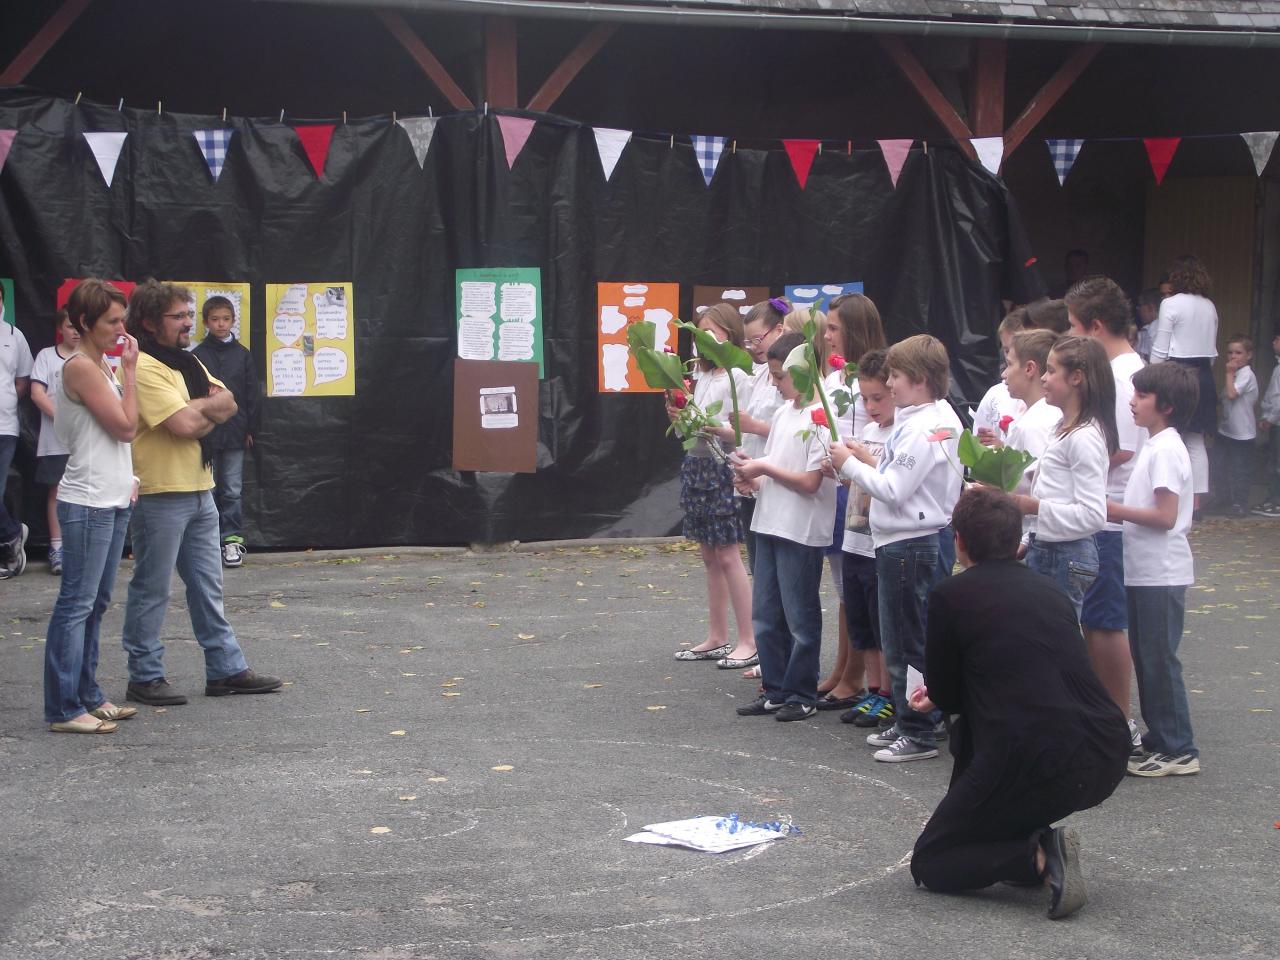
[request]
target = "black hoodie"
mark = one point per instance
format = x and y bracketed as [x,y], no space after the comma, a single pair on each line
[231,363]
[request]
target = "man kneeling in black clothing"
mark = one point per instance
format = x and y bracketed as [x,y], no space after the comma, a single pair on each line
[1038,737]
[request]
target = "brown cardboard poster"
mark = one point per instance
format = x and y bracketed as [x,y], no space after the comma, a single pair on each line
[495,416]
[620,304]
[744,298]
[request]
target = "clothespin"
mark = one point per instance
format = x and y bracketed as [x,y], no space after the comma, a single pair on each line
[735,147]
[429,113]
[850,147]
[282,114]
[926,148]
[224,114]
[673,141]
[120,105]
[79,94]
[393,116]
[819,148]
[486,108]
[159,108]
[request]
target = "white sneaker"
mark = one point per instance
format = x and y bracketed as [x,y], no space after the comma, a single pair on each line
[904,749]
[17,548]
[232,554]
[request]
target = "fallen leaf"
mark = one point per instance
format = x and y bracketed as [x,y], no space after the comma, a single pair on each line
[502,768]
[437,779]
[449,683]
[277,604]
[479,604]
[380,830]
[524,636]
[450,693]
[322,643]
[408,674]
[407,796]
[362,710]
[162,709]
[362,771]
[1260,710]
[592,686]
[397,733]
[1241,647]
[656,706]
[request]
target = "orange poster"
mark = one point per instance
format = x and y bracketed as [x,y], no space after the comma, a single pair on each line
[620,304]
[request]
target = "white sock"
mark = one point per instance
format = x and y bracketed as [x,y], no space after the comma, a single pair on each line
[55,543]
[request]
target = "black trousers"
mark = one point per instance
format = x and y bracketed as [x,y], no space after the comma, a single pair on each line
[987,827]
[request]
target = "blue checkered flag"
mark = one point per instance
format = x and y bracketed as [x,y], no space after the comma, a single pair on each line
[213,144]
[1064,153]
[708,150]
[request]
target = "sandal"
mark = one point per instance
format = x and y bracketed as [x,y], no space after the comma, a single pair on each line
[752,674]
[714,654]
[84,726]
[732,663]
[113,712]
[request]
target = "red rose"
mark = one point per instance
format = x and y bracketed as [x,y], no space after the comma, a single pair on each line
[836,362]
[941,433]
[668,350]
[1004,423]
[678,399]
[819,417]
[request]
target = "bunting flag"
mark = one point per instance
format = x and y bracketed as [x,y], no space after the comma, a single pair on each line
[895,156]
[106,149]
[213,144]
[6,141]
[420,130]
[515,134]
[1064,153]
[1259,144]
[315,141]
[610,144]
[990,152]
[708,150]
[1160,152]
[801,153]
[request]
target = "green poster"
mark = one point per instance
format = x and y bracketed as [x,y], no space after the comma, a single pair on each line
[500,314]
[9,314]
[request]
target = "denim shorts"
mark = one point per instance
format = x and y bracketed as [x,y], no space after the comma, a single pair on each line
[1105,606]
[1071,564]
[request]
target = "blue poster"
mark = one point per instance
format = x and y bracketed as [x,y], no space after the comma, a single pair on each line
[804,294]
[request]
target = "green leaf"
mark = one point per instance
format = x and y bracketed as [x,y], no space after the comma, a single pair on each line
[724,355]
[711,409]
[843,400]
[969,450]
[1001,468]
[642,335]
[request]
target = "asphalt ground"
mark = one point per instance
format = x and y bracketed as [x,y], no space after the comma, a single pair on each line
[465,740]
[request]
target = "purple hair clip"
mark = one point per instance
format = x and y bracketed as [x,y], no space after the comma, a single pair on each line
[780,304]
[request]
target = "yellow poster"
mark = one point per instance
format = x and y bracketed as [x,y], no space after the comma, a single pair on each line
[310,340]
[236,293]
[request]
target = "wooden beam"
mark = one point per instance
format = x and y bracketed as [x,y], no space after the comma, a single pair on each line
[433,68]
[39,45]
[571,66]
[986,96]
[1049,94]
[500,86]
[934,98]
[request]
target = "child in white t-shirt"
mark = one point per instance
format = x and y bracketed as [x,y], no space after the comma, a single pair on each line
[1270,507]
[998,407]
[792,522]
[1025,360]
[51,453]
[1156,515]
[1238,427]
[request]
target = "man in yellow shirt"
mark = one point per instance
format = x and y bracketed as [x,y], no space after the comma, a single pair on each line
[175,522]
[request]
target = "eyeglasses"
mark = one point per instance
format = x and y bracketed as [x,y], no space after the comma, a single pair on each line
[180,315]
[756,341]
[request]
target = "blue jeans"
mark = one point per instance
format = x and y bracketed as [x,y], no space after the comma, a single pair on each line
[177,529]
[1273,466]
[92,541]
[9,527]
[786,613]
[1238,455]
[228,474]
[905,573]
[1071,564]
[1156,616]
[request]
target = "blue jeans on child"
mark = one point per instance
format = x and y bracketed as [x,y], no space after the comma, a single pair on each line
[1156,616]
[905,573]
[228,476]
[177,530]
[92,541]
[786,613]
[1071,564]
[9,527]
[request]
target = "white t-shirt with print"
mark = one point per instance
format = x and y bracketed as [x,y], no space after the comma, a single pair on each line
[857,526]
[47,371]
[1131,436]
[15,362]
[1239,421]
[780,511]
[995,406]
[1159,558]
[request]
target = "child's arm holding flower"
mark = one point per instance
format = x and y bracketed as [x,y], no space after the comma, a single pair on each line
[801,481]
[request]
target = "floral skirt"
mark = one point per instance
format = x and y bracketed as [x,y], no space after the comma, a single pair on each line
[706,497]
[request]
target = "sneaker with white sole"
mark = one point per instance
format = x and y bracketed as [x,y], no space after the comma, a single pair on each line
[795,711]
[904,749]
[1266,509]
[1135,741]
[55,561]
[1164,765]
[759,707]
[232,554]
[883,738]
[13,555]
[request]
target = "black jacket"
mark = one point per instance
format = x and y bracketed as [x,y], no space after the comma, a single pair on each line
[231,363]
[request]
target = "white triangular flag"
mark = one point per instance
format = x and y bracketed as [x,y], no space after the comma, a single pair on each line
[106,150]
[990,152]
[420,131]
[610,143]
[1261,145]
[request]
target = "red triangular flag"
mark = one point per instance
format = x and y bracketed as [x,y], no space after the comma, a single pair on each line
[6,141]
[801,153]
[315,141]
[515,133]
[1160,152]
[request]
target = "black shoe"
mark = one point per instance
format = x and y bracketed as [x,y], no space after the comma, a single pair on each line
[154,693]
[796,711]
[1062,867]
[246,681]
[758,707]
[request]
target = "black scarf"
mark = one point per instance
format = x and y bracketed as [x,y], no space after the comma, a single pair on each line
[193,374]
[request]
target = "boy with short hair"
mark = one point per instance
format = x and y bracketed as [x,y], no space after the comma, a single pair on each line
[1156,515]
[1238,428]
[989,423]
[1098,308]
[52,453]
[15,382]
[792,523]
[1027,355]
[1270,507]
[914,488]
[227,359]
[861,606]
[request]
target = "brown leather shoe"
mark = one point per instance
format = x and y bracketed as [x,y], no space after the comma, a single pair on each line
[246,681]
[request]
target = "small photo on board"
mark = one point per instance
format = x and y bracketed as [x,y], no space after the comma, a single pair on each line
[498,408]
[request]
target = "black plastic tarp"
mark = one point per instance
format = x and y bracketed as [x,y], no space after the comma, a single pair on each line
[937,254]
